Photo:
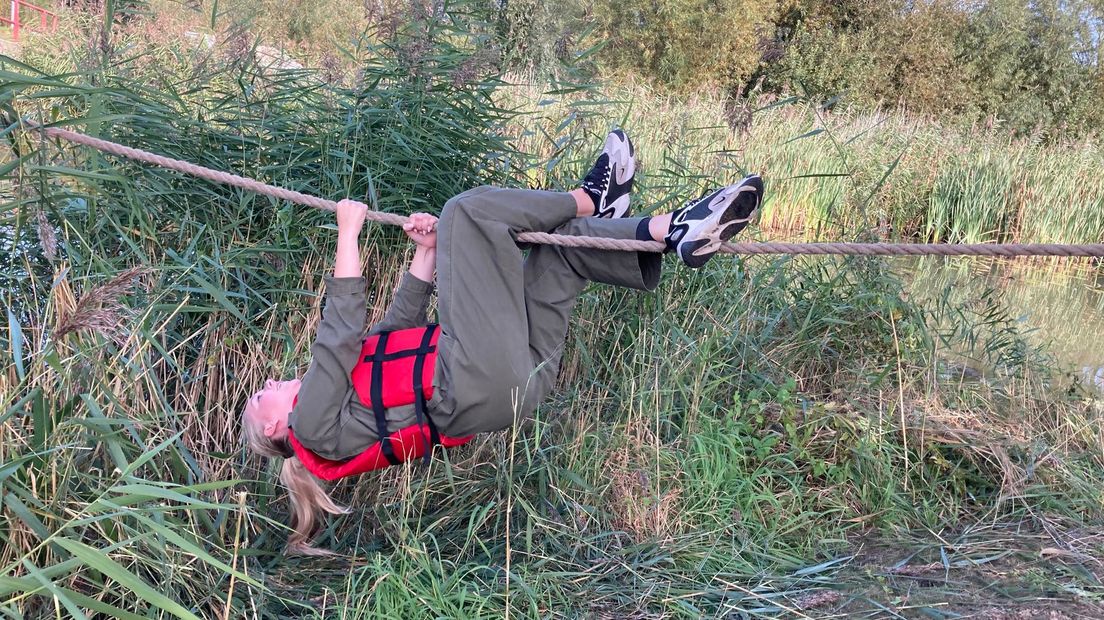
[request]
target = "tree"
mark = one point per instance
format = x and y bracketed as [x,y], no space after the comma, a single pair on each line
[687,43]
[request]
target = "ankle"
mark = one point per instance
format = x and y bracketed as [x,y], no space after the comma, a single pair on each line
[659,226]
[584,203]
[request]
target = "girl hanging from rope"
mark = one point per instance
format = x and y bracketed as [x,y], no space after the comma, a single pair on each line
[494,355]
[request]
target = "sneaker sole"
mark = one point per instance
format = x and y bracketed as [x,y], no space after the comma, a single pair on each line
[622,168]
[729,216]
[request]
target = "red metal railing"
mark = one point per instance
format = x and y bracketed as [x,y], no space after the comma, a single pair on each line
[47,20]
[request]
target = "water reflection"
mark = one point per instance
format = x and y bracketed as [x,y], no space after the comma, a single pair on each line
[1062,303]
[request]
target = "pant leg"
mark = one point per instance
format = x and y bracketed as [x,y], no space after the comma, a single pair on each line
[554,277]
[484,365]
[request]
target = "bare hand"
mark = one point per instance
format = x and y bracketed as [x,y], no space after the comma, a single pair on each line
[350,216]
[422,230]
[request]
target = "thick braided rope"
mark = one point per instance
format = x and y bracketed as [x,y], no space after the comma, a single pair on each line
[601,243]
[213,175]
[862,249]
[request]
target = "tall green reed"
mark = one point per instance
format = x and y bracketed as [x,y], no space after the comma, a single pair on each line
[122,486]
[835,175]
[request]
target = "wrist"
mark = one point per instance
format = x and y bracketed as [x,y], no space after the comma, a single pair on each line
[346,237]
[424,263]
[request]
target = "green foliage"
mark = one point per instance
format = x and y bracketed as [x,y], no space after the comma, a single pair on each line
[308,26]
[538,38]
[839,175]
[714,444]
[1033,66]
[96,521]
[685,43]
[1037,64]
[109,418]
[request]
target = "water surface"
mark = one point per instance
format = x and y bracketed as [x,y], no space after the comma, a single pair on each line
[1061,305]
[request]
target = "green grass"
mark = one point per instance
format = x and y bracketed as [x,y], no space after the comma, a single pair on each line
[729,446]
[835,175]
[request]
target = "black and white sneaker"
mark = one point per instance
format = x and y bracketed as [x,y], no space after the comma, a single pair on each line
[610,181]
[699,228]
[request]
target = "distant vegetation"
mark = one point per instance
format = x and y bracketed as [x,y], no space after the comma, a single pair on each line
[1029,67]
[1032,67]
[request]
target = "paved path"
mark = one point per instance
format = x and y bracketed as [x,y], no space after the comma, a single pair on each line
[10,48]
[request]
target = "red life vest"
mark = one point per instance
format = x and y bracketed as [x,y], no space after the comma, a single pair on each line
[395,369]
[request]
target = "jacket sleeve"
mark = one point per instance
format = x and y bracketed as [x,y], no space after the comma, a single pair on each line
[325,387]
[408,307]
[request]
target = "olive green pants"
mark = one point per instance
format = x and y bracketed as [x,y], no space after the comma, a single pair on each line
[504,315]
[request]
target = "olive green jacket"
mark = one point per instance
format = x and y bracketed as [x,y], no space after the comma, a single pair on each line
[328,417]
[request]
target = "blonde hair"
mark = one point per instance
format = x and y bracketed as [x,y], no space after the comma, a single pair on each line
[308,498]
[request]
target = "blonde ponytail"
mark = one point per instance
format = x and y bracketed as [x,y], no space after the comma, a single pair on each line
[308,498]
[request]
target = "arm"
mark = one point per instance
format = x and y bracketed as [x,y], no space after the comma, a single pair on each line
[408,307]
[338,342]
[347,262]
[335,352]
[424,263]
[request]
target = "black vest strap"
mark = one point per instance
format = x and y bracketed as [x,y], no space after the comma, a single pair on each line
[377,400]
[419,393]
